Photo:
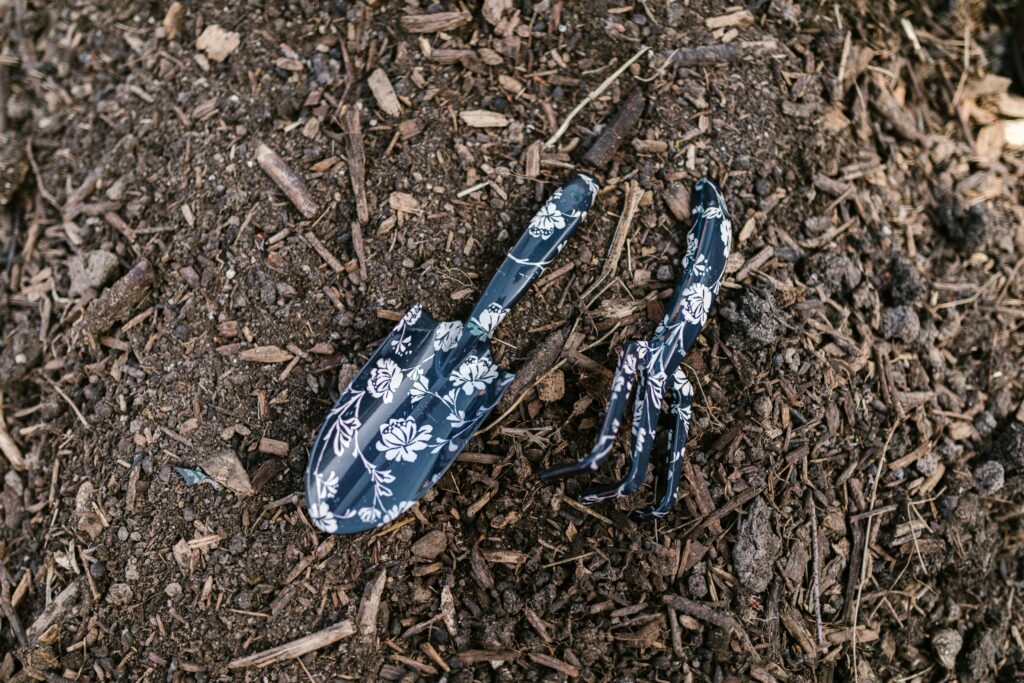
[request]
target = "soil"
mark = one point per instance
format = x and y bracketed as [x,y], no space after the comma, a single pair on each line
[852,496]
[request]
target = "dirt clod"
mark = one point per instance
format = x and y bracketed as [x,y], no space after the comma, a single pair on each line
[989,477]
[430,545]
[900,323]
[755,321]
[757,548]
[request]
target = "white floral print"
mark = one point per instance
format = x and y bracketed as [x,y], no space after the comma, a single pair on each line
[691,248]
[385,379]
[475,373]
[323,517]
[727,236]
[420,388]
[484,325]
[681,383]
[344,429]
[447,335]
[696,303]
[392,513]
[401,439]
[326,486]
[700,266]
[591,186]
[412,315]
[547,220]
[369,514]
[401,345]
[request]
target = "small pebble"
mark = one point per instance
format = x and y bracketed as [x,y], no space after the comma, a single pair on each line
[900,323]
[947,644]
[989,477]
[430,545]
[927,465]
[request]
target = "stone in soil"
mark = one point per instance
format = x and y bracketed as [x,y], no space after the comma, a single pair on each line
[755,320]
[91,271]
[989,477]
[904,284]
[430,545]
[1010,447]
[900,323]
[947,643]
[834,273]
[756,549]
[966,229]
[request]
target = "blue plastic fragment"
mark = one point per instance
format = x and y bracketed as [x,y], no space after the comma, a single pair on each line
[193,477]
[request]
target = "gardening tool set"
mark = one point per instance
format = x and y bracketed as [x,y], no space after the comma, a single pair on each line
[412,408]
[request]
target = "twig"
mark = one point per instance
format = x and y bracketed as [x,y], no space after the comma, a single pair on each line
[594,95]
[7,581]
[630,202]
[357,162]
[816,586]
[296,648]
[67,399]
[718,54]
[329,258]
[614,134]
[7,445]
[286,179]
[867,543]
[119,299]
[724,621]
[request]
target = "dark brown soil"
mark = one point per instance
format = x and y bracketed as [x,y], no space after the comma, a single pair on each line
[859,386]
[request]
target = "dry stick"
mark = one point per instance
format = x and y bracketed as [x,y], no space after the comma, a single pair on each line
[297,648]
[816,586]
[7,445]
[724,621]
[718,54]
[630,203]
[867,543]
[357,163]
[286,179]
[615,133]
[592,96]
[7,581]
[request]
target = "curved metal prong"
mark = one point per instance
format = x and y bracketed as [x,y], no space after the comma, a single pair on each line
[646,409]
[622,385]
[682,403]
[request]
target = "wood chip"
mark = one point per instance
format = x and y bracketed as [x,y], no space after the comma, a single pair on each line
[265,354]
[172,20]
[741,18]
[7,445]
[556,664]
[357,162]
[482,118]
[403,202]
[226,469]
[296,648]
[118,300]
[274,447]
[384,93]
[286,179]
[217,42]
[432,23]
[617,130]
[322,251]
[370,605]
[480,656]
[677,199]
[718,54]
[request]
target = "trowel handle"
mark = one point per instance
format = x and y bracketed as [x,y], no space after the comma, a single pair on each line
[544,238]
[707,253]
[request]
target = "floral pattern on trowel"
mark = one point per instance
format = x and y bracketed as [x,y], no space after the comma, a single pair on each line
[427,388]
